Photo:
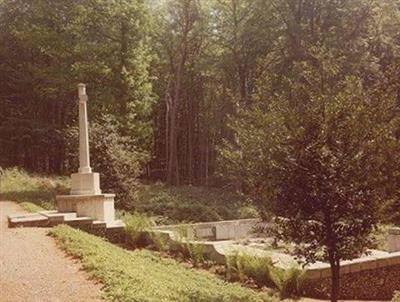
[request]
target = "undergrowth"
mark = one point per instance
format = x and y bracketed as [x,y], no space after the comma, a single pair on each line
[171,205]
[261,270]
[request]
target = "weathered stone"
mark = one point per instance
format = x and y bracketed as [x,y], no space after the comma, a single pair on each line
[85,184]
[86,198]
[394,239]
[99,207]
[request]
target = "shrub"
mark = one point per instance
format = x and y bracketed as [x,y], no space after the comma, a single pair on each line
[196,253]
[117,160]
[396,297]
[288,281]
[248,212]
[114,155]
[241,266]
[137,227]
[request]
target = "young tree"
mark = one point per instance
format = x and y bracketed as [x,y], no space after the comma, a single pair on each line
[322,157]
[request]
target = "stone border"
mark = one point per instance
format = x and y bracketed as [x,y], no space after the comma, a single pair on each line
[322,270]
[215,250]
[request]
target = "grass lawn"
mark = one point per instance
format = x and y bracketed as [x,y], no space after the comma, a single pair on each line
[31,190]
[31,207]
[144,276]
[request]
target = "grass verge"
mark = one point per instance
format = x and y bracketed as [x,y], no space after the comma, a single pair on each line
[31,207]
[29,190]
[144,276]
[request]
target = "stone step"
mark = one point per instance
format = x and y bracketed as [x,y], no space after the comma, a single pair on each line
[116,225]
[78,221]
[53,218]
[27,220]
[56,216]
[98,224]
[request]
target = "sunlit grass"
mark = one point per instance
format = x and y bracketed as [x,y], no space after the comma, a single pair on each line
[22,187]
[141,275]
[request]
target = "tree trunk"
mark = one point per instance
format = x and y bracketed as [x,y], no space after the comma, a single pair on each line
[335,275]
[173,168]
[173,171]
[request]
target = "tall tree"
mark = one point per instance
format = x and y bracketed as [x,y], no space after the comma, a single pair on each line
[47,48]
[181,41]
[317,145]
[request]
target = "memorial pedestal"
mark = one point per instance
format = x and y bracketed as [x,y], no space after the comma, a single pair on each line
[85,184]
[99,207]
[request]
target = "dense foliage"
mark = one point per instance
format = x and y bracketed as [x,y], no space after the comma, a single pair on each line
[294,102]
[47,47]
[170,73]
[319,146]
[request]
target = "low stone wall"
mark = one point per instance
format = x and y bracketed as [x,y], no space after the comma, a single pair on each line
[373,284]
[213,231]
[394,239]
[374,277]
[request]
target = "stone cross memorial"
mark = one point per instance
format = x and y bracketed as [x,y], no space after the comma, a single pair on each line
[86,198]
[85,182]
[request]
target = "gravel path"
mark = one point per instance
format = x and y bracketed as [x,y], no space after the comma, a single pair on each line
[33,269]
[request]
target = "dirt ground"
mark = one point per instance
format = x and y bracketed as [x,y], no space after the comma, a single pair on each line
[33,269]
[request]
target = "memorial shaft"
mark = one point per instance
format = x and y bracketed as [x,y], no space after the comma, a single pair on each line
[84,157]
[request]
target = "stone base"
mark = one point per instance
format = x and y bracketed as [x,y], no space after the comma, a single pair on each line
[98,207]
[394,240]
[85,184]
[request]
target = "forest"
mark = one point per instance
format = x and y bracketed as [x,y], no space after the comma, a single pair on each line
[190,91]
[290,108]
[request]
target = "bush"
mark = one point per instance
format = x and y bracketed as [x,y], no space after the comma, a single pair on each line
[288,281]
[396,297]
[137,227]
[241,266]
[144,276]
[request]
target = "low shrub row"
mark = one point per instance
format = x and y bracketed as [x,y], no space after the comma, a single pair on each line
[258,271]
